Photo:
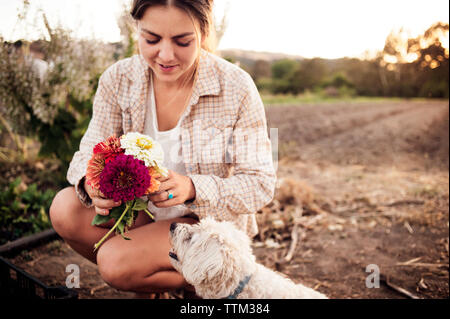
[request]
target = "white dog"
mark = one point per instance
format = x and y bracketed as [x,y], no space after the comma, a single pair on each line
[216,258]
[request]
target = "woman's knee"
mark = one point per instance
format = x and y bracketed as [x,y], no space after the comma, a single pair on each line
[62,211]
[118,272]
[120,266]
[114,267]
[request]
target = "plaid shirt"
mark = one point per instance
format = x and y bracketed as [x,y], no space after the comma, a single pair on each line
[225,146]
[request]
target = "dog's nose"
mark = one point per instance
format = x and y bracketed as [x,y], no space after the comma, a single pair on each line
[172,227]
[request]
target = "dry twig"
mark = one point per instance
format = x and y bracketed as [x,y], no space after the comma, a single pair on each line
[411,261]
[426,265]
[408,227]
[405,202]
[294,236]
[386,281]
[414,263]
[93,290]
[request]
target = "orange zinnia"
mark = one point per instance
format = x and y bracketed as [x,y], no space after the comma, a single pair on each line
[95,167]
[104,152]
[154,183]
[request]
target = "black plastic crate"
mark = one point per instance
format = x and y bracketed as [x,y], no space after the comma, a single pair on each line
[15,282]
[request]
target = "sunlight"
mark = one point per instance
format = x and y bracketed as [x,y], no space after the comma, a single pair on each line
[411,57]
[390,59]
[444,40]
[434,64]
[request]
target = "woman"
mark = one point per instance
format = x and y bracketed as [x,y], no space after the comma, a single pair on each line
[208,116]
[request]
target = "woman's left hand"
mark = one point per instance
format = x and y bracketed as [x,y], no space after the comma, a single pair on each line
[175,189]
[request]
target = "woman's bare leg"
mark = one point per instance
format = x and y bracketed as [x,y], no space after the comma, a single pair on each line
[141,264]
[72,221]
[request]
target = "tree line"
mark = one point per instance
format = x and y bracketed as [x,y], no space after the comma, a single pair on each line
[406,67]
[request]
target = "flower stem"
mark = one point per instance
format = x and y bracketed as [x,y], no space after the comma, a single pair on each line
[112,229]
[149,214]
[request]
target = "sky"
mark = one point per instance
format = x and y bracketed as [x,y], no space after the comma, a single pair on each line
[319,28]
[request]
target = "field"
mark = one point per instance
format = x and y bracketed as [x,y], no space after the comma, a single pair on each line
[359,183]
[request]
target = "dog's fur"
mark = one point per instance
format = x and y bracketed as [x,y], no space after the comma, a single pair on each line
[215,256]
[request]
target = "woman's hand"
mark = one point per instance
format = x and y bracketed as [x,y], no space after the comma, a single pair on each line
[102,205]
[180,186]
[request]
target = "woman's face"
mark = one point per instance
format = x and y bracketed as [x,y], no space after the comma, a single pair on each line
[168,42]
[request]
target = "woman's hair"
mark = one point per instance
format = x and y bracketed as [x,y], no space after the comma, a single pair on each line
[198,10]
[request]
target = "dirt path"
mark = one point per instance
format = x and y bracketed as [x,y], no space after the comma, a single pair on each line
[407,135]
[366,184]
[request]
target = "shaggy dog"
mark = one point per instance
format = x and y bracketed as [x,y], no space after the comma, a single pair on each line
[216,258]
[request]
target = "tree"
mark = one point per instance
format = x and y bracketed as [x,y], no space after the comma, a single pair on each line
[284,69]
[308,75]
[416,66]
[261,69]
[432,68]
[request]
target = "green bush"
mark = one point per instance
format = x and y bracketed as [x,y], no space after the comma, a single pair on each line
[284,69]
[337,80]
[23,210]
[280,86]
[264,84]
[435,89]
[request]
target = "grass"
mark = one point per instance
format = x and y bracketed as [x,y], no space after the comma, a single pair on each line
[311,98]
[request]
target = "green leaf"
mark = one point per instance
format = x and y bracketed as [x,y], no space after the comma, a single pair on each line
[100,219]
[116,212]
[16,182]
[15,205]
[43,215]
[121,228]
[130,218]
[139,204]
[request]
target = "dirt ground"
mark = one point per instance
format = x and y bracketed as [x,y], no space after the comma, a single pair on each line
[358,185]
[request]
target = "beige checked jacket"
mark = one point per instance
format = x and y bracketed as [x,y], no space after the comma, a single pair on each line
[225,146]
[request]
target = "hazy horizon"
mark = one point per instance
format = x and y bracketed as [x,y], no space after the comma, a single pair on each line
[324,28]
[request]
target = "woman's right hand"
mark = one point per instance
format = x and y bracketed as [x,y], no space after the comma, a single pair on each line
[102,205]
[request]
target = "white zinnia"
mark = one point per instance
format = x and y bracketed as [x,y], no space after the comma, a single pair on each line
[146,149]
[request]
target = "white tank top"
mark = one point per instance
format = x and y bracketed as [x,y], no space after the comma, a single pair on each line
[171,143]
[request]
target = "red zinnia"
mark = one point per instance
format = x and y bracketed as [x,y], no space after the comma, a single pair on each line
[109,148]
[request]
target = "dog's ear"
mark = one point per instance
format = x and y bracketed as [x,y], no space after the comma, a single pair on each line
[215,266]
[211,265]
[220,263]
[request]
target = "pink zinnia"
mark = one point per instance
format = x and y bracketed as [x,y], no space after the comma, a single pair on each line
[125,178]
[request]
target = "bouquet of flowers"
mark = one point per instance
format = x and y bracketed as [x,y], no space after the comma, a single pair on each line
[125,169]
